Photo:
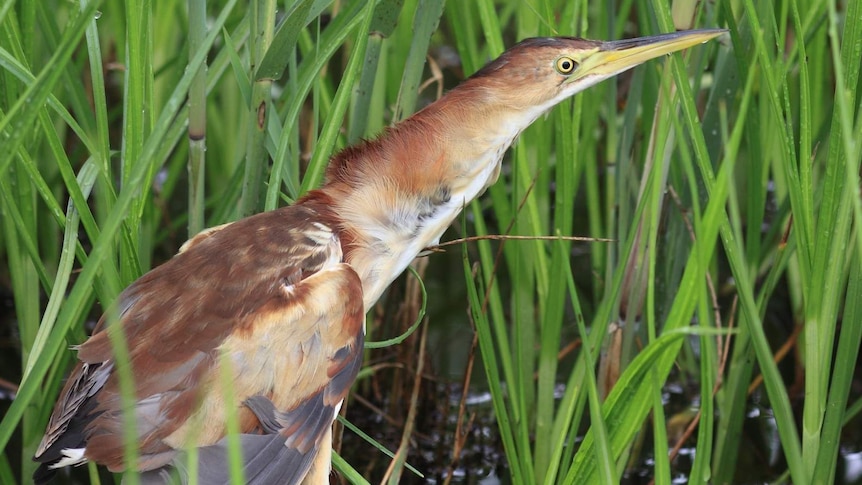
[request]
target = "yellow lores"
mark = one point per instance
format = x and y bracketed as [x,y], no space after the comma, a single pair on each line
[282,295]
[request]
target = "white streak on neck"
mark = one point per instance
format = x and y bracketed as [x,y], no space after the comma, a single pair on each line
[394,229]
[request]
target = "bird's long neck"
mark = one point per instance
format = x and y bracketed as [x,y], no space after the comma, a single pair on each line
[396,195]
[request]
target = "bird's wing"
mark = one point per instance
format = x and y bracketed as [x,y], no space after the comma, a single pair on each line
[267,299]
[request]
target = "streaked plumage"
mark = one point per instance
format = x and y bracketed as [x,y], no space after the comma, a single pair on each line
[272,294]
[280,297]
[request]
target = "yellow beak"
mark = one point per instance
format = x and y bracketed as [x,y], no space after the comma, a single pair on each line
[615,57]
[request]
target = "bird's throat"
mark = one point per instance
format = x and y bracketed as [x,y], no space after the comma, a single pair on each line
[408,186]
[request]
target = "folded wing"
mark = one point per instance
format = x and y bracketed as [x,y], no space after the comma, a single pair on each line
[260,311]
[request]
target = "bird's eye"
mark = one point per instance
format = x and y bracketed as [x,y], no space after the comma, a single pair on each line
[565,65]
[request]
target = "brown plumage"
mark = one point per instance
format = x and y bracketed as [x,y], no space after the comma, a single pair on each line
[279,298]
[272,293]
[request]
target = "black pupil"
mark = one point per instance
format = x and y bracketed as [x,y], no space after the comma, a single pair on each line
[566,65]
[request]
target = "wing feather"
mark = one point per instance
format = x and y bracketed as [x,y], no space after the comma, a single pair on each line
[268,295]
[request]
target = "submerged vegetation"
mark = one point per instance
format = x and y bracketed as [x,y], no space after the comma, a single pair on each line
[718,189]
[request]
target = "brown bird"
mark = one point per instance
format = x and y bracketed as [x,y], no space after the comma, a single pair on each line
[277,301]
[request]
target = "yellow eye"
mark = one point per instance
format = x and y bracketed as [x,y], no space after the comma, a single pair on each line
[565,65]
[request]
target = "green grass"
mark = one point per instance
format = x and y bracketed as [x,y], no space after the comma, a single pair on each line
[757,135]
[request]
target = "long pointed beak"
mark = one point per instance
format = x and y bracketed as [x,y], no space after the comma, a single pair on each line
[614,57]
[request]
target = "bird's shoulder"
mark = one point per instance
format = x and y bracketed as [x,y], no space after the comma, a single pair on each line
[220,280]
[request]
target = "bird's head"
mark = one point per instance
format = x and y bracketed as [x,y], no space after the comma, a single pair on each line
[540,72]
